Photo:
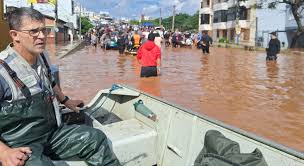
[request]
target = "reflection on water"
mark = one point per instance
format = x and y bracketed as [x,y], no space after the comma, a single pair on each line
[234,86]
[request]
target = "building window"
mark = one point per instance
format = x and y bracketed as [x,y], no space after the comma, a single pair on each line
[220,16]
[224,16]
[232,33]
[225,33]
[208,2]
[202,4]
[217,33]
[246,34]
[231,14]
[243,13]
[205,18]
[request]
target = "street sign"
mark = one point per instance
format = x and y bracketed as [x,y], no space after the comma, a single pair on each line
[41,1]
[238,29]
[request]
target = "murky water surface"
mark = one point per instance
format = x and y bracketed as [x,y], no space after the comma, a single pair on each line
[235,86]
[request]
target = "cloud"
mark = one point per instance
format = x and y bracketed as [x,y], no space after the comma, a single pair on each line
[129,8]
[150,9]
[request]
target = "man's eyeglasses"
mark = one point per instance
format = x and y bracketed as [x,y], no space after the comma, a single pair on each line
[35,32]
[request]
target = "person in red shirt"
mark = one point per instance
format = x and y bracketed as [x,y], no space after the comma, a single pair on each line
[149,57]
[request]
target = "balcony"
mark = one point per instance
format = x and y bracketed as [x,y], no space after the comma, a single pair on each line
[246,24]
[220,6]
[206,27]
[206,4]
[206,11]
[220,25]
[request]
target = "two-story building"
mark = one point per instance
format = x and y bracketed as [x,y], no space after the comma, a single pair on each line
[218,17]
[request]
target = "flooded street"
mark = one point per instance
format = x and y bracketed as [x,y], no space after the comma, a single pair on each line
[234,86]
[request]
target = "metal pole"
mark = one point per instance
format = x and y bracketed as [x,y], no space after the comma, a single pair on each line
[237,19]
[55,22]
[160,17]
[80,22]
[173,19]
[256,31]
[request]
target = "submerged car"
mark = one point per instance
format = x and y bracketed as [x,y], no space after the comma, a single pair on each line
[111,44]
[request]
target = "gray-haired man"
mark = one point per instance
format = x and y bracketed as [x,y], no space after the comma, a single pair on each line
[29,131]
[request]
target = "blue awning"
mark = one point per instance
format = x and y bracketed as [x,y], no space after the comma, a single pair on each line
[147,24]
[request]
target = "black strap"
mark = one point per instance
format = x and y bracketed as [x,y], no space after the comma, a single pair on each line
[24,89]
[47,66]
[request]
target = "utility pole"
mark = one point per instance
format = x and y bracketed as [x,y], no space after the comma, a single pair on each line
[237,24]
[55,22]
[160,16]
[80,21]
[173,19]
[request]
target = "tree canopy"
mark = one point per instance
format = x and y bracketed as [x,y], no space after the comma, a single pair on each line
[86,25]
[183,22]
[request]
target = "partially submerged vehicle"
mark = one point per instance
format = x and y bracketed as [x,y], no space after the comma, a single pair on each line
[147,131]
[111,44]
[132,51]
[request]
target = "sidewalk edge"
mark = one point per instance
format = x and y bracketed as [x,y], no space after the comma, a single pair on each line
[76,47]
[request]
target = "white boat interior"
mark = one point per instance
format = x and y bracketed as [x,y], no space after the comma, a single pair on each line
[165,134]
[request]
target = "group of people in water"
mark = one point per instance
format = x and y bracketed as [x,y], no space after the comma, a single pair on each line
[137,41]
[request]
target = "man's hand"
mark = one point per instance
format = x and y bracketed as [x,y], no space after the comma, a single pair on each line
[73,104]
[158,70]
[15,156]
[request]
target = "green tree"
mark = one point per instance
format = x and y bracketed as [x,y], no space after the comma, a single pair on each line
[183,22]
[86,25]
[134,22]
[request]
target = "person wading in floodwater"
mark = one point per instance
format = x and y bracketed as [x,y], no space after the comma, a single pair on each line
[205,41]
[274,47]
[149,56]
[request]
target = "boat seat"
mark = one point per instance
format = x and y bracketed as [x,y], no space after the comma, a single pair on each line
[71,162]
[133,142]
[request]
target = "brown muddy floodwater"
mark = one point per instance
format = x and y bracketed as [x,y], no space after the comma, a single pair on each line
[234,86]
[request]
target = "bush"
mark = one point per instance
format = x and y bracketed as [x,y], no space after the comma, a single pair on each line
[223,40]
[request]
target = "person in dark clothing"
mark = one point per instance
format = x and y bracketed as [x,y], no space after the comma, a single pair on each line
[274,47]
[205,42]
[167,38]
[149,56]
[121,41]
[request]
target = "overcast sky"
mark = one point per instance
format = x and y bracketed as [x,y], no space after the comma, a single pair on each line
[134,8]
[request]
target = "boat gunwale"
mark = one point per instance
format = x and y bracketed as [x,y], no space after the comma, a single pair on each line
[237,130]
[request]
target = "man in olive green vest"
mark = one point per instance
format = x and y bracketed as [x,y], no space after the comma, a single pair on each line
[30,131]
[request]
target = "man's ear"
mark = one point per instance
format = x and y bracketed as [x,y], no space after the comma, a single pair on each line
[14,35]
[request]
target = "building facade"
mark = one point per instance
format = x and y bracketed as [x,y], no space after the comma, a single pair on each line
[67,19]
[218,17]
